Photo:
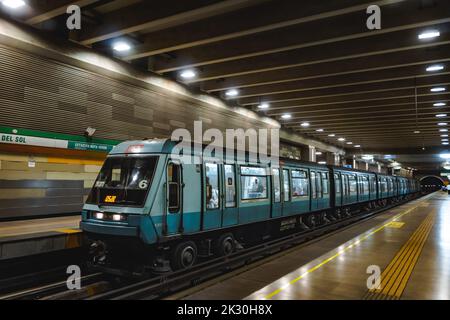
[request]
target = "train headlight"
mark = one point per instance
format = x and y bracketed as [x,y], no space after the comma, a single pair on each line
[117,217]
[99,215]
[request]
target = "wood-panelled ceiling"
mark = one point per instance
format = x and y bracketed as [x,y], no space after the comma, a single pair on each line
[315,60]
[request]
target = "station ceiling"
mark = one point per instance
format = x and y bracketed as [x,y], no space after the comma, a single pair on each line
[314,60]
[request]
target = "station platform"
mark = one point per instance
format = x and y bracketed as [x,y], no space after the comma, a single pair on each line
[409,246]
[29,237]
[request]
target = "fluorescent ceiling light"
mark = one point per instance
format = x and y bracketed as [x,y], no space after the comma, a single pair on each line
[286,116]
[263,105]
[349,142]
[429,34]
[357,146]
[444,135]
[232,93]
[443,130]
[331,135]
[319,130]
[441,115]
[121,46]
[305,124]
[341,139]
[445,143]
[436,67]
[417,132]
[437,89]
[188,74]
[318,153]
[439,104]
[442,123]
[445,155]
[13,4]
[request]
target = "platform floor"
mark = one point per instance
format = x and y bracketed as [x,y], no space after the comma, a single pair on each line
[409,246]
[37,236]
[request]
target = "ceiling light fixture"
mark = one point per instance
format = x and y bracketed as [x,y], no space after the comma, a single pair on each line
[439,104]
[442,123]
[286,116]
[349,142]
[319,130]
[341,139]
[232,93]
[188,74]
[357,146]
[305,124]
[121,46]
[444,135]
[443,130]
[429,34]
[263,106]
[441,115]
[417,132]
[437,89]
[436,67]
[13,4]
[331,135]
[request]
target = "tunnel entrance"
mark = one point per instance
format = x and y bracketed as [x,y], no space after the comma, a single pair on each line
[431,183]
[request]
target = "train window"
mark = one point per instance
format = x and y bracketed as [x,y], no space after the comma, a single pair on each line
[337,183]
[286,185]
[230,186]
[372,185]
[123,181]
[383,184]
[352,184]
[364,185]
[319,185]
[173,182]
[313,185]
[299,183]
[253,183]
[212,185]
[325,182]
[276,185]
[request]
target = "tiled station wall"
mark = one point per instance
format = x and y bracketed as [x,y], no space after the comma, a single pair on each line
[55,185]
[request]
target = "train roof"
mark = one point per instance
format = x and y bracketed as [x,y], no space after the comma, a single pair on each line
[166,146]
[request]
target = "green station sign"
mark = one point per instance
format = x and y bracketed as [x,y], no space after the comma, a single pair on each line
[53,140]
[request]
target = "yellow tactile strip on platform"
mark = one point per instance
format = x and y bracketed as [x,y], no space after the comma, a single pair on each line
[395,277]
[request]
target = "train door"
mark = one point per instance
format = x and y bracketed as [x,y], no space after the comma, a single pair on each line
[337,189]
[286,196]
[277,205]
[345,190]
[316,193]
[212,215]
[174,196]
[323,199]
[230,209]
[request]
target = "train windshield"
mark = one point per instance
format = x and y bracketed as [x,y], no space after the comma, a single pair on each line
[123,181]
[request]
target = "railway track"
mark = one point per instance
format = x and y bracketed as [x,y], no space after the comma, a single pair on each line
[98,286]
[161,286]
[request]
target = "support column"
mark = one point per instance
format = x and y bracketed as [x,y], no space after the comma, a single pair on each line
[379,167]
[332,158]
[308,153]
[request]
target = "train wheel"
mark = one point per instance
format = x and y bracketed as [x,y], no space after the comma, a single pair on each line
[184,255]
[225,245]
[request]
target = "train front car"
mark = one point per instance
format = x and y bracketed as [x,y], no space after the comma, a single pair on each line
[117,216]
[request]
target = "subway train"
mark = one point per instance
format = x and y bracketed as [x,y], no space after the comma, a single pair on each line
[148,207]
